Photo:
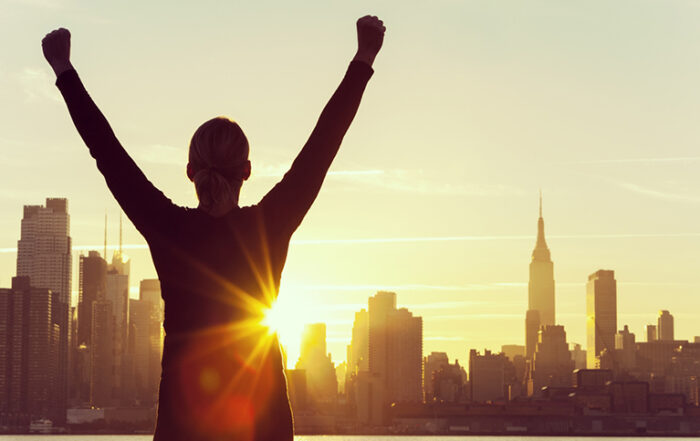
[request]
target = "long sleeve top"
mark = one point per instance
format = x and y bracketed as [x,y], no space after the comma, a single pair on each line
[222,375]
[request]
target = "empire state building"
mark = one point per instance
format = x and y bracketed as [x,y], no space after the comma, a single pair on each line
[541,284]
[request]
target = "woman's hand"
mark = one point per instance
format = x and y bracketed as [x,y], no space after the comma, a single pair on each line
[370,36]
[56,47]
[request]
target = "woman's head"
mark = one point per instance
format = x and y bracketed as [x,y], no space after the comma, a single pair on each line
[218,164]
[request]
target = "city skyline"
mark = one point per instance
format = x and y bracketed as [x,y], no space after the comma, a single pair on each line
[443,164]
[290,316]
[387,381]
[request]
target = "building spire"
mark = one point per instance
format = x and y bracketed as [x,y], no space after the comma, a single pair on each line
[541,251]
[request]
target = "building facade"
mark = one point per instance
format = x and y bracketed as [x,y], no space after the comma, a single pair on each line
[29,342]
[665,326]
[601,314]
[44,255]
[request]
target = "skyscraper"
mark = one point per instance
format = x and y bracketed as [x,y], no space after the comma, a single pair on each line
[28,354]
[395,348]
[44,247]
[358,351]
[144,349]
[532,328]
[149,292]
[431,364]
[665,328]
[117,294]
[541,284]
[321,381]
[552,364]
[92,286]
[380,306]
[601,314]
[405,357]
[44,255]
[625,350]
[102,365]
[651,332]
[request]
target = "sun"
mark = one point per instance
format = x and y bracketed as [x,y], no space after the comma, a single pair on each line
[287,318]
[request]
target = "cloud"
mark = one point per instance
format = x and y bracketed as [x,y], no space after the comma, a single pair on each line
[646,191]
[683,159]
[417,181]
[658,193]
[37,84]
[45,4]
[396,180]
[443,338]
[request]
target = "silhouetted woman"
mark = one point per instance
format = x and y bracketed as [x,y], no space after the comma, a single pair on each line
[219,264]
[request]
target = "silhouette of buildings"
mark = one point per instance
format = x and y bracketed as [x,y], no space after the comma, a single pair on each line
[44,255]
[650,332]
[683,373]
[396,348]
[488,376]
[513,351]
[578,355]
[296,385]
[29,344]
[625,350]
[102,365]
[321,382]
[601,314]
[431,364]
[552,364]
[91,287]
[665,326]
[116,346]
[394,342]
[146,342]
[443,382]
[541,283]
[358,350]
[117,295]
[532,329]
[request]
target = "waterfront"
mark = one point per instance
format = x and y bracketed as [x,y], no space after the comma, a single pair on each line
[328,438]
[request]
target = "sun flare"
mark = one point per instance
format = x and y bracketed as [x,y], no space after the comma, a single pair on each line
[287,318]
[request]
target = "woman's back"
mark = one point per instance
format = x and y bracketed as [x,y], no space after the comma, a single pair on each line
[222,369]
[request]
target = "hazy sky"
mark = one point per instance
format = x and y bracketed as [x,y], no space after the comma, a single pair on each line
[474,106]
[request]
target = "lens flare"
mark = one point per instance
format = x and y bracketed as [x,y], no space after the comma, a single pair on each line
[287,318]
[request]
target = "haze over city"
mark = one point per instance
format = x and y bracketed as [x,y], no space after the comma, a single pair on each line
[473,109]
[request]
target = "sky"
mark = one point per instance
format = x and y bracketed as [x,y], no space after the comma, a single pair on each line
[473,108]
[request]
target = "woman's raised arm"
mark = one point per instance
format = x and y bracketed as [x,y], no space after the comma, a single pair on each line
[145,205]
[287,203]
